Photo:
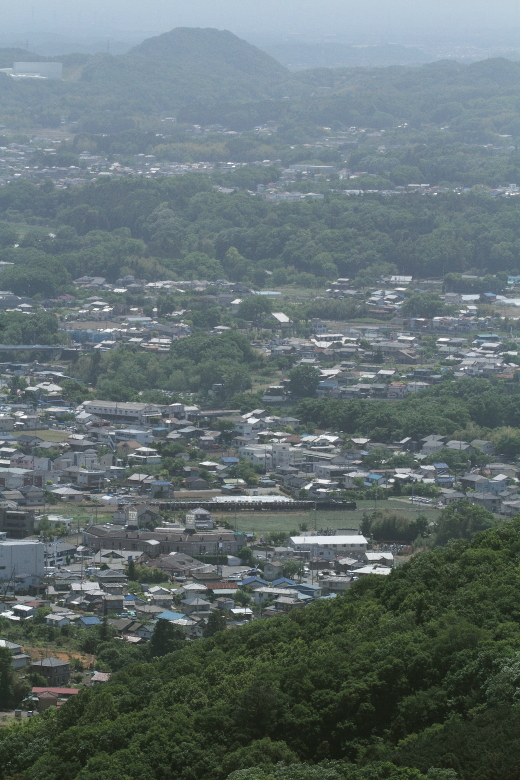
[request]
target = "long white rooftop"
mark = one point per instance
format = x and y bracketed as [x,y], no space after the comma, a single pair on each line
[329,541]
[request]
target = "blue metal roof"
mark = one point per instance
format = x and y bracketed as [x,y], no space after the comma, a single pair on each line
[169,615]
[250,580]
[303,586]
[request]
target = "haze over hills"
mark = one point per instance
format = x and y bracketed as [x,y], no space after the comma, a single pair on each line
[10,55]
[218,51]
[162,74]
[183,66]
[299,56]
[208,76]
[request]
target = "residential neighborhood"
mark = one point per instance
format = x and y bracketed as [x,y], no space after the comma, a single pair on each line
[121,515]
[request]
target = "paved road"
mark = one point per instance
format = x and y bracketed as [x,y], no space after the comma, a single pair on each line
[10,714]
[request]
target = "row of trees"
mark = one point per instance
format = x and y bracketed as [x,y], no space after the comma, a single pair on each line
[474,408]
[460,520]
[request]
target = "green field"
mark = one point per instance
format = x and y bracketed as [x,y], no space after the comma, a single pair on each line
[262,523]
[82,514]
[47,434]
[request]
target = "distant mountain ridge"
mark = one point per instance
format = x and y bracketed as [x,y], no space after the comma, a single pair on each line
[201,48]
[302,56]
[209,76]
[8,56]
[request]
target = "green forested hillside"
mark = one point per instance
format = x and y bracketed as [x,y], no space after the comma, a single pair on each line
[8,56]
[181,228]
[416,671]
[216,50]
[211,76]
[160,75]
[447,407]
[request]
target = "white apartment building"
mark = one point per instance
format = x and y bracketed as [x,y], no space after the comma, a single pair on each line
[329,547]
[258,455]
[122,411]
[284,454]
[132,434]
[22,561]
[270,455]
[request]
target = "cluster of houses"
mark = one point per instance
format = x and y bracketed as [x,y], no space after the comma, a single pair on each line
[352,361]
[103,461]
[94,585]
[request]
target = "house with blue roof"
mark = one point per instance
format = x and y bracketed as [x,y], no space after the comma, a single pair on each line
[87,621]
[254,582]
[314,591]
[283,582]
[169,615]
[375,479]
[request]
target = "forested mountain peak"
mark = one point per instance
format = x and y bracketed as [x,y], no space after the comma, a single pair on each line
[218,50]
[499,70]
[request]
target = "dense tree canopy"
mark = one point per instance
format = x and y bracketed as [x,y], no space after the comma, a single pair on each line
[411,675]
[181,228]
[304,380]
[445,408]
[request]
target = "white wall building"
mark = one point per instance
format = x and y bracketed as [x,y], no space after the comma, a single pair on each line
[46,70]
[127,411]
[133,434]
[284,454]
[329,547]
[23,562]
[258,455]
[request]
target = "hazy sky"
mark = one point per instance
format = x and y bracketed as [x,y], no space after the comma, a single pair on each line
[344,18]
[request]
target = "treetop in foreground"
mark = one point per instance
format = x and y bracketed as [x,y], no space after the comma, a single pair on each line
[414,676]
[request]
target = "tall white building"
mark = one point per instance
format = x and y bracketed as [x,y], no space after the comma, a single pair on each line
[22,562]
[46,70]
